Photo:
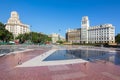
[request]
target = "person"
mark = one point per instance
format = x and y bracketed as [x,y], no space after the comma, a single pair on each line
[19,61]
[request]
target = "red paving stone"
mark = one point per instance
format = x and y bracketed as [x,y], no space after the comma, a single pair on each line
[98,70]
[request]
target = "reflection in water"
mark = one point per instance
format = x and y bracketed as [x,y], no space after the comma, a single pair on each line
[86,54]
[117,58]
[90,55]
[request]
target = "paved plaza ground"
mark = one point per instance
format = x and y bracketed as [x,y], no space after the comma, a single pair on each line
[98,70]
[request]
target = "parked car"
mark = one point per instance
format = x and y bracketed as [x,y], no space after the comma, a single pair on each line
[11,42]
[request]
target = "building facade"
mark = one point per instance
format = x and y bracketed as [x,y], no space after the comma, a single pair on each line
[101,34]
[56,37]
[15,26]
[73,35]
[84,29]
[96,34]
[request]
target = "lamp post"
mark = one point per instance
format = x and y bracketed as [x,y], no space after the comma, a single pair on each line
[13,36]
[59,35]
[30,34]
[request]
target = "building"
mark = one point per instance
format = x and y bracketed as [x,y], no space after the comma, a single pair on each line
[84,29]
[56,37]
[73,35]
[104,33]
[15,26]
[101,34]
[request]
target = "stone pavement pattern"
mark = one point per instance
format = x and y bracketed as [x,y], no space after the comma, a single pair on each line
[81,71]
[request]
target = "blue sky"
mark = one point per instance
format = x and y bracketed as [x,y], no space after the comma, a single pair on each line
[55,16]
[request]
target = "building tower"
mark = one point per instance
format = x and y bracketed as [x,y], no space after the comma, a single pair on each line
[15,26]
[84,29]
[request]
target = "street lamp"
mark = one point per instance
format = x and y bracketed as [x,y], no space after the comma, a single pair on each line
[30,34]
[59,34]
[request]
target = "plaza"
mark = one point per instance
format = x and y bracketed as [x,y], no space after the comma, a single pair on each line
[27,65]
[60,40]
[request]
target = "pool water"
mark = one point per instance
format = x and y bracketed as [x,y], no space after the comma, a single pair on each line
[89,55]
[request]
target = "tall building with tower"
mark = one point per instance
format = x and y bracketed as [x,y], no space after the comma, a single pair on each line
[84,29]
[15,26]
[104,33]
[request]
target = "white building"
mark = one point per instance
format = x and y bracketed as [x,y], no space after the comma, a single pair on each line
[56,37]
[101,34]
[15,26]
[84,29]
[97,34]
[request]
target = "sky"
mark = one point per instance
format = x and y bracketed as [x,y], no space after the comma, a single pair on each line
[56,16]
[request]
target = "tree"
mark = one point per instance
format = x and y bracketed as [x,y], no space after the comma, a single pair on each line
[60,42]
[23,37]
[34,37]
[117,38]
[5,35]
[2,26]
[8,36]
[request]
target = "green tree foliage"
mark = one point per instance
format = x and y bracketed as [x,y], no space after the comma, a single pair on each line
[5,35]
[33,37]
[117,38]
[2,26]
[60,42]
